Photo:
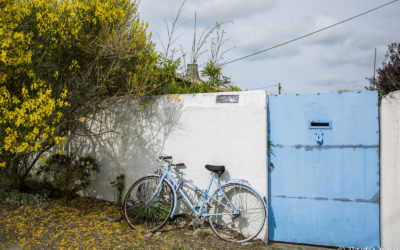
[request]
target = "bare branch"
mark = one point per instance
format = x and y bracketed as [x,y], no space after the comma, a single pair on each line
[171,31]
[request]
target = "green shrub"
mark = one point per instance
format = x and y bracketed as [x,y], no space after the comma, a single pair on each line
[66,175]
[31,195]
[5,183]
[14,197]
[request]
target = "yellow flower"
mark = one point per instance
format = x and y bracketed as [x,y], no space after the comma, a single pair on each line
[43,160]
[2,164]
[59,140]
[175,96]
[74,64]
[31,74]
[82,119]
[31,112]
[64,94]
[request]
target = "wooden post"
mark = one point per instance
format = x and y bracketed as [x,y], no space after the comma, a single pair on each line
[279,88]
[374,64]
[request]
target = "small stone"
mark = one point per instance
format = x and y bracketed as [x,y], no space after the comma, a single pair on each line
[180,222]
[157,234]
[112,218]
[148,235]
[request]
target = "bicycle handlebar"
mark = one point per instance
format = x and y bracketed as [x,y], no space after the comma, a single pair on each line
[168,159]
[165,157]
[179,165]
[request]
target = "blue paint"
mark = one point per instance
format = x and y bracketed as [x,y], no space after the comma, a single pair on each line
[173,190]
[322,186]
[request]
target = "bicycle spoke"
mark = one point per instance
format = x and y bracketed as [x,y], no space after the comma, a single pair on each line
[238,227]
[147,207]
[236,212]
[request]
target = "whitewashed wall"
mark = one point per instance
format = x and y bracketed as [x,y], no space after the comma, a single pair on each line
[194,129]
[230,134]
[390,171]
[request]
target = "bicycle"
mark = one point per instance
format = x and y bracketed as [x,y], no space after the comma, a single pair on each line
[236,211]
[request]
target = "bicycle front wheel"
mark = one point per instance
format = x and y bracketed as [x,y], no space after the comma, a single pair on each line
[239,213]
[148,205]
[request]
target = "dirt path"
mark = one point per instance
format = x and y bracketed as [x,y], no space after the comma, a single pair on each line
[84,223]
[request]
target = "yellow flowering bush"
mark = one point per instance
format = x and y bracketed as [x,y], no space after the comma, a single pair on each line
[61,61]
[29,110]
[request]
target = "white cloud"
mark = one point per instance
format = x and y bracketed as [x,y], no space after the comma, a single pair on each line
[335,83]
[329,37]
[333,59]
[257,34]
[211,11]
[356,50]
[208,11]
[337,57]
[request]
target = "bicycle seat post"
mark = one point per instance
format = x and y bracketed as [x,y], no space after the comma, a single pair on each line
[213,176]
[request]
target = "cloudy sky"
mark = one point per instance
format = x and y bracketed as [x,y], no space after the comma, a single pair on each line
[339,58]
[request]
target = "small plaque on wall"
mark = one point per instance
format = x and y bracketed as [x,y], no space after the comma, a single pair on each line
[227,99]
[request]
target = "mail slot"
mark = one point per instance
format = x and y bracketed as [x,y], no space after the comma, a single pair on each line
[320,124]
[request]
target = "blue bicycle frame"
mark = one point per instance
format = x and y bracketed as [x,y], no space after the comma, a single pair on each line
[204,198]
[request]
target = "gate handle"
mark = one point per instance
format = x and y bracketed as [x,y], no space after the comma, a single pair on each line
[319,138]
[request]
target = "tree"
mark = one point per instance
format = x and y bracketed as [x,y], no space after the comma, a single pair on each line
[388,76]
[168,66]
[213,69]
[215,79]
[61,61]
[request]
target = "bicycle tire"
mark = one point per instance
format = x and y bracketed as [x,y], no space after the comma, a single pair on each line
[144,214]
[240,227]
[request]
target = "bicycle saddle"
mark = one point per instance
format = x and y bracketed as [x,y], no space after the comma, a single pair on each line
[216,169]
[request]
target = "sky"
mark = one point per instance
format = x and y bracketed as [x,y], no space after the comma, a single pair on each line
[339,58]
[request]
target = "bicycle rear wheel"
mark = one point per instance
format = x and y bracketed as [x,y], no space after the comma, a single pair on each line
[148,207]
[237,227]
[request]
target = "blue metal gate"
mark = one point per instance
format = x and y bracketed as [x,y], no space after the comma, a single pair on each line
[324,169]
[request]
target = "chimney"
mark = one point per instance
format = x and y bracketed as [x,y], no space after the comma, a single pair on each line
[192,71]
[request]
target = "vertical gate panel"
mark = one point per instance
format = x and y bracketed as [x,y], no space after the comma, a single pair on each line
[324,175]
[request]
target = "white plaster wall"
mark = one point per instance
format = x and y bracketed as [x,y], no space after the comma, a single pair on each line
[194,129]
[390,171]
[230,134]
